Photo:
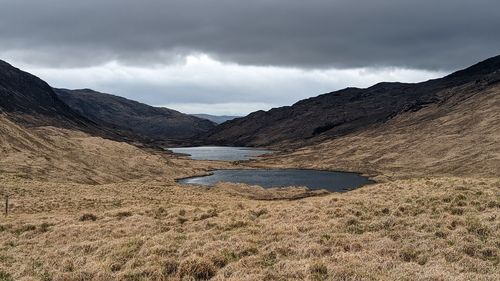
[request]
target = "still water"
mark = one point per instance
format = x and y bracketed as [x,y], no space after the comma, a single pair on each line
[223,153]
[313,179]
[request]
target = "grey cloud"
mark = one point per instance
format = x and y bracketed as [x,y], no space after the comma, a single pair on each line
[425,34]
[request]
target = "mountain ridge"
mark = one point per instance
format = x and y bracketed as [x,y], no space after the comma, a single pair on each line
[156,123]
[346,111]
[31,101]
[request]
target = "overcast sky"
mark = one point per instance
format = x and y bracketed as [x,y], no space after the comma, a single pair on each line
[234,57]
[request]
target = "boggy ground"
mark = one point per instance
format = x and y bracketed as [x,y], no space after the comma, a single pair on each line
[416,229]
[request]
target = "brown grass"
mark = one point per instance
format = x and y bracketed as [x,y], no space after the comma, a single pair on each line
[84,208]
[59,155]
[402,230]
[459,139]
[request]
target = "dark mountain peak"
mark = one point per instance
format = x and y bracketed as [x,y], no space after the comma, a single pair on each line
[87,91]
[389,85]
[112,103]
[32,101]
[485,67]
[11,76]
[6,65]
[84,90]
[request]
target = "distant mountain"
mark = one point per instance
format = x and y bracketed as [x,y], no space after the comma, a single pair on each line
[41,137]
[351,110]
[133,117]
[219,119]
[29,101]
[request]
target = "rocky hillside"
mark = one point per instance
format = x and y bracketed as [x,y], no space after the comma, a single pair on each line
[43,138]
[29,101]
[32,102]
[458,136]
[354,110]
[133,117]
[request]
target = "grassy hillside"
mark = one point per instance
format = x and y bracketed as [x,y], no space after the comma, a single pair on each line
[419,229]
[458,137]
[353,110]
[149,228]
[55,154]
[87,208]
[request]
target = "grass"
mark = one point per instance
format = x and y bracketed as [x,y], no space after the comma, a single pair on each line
[123,214]
[318,271]
[4,276]
[402,229]
[76,215]
[88,217]
[197,268]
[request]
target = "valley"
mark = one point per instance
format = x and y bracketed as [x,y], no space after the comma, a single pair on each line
[93,194]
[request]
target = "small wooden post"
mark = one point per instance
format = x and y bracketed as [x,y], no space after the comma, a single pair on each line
[6,205]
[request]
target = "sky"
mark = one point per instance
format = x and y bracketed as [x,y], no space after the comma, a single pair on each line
[230,57]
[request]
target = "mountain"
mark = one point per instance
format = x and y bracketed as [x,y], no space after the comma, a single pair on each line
[353,110]
[63,155]
[43,138]
[218,119]
[457,136]
[32,102]
[133,117]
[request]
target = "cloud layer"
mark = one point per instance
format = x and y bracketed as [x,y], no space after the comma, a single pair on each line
[204,85]
[424,34]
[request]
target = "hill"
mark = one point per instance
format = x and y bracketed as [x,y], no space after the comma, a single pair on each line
[458,136]
[354,110]
[32,102]
[87,208]
[61,155]
[43,138]
[133,117]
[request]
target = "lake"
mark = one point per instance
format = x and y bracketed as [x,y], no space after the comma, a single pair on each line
[313,179]
[223,153]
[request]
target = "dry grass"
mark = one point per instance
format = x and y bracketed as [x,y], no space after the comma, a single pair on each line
[54,154]
[84,208]
[425,229]
[459,139]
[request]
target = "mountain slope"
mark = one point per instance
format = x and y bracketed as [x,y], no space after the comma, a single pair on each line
[43,138]
[134,117]
[347,111]
[32,102]
[459,136]
[56,154]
